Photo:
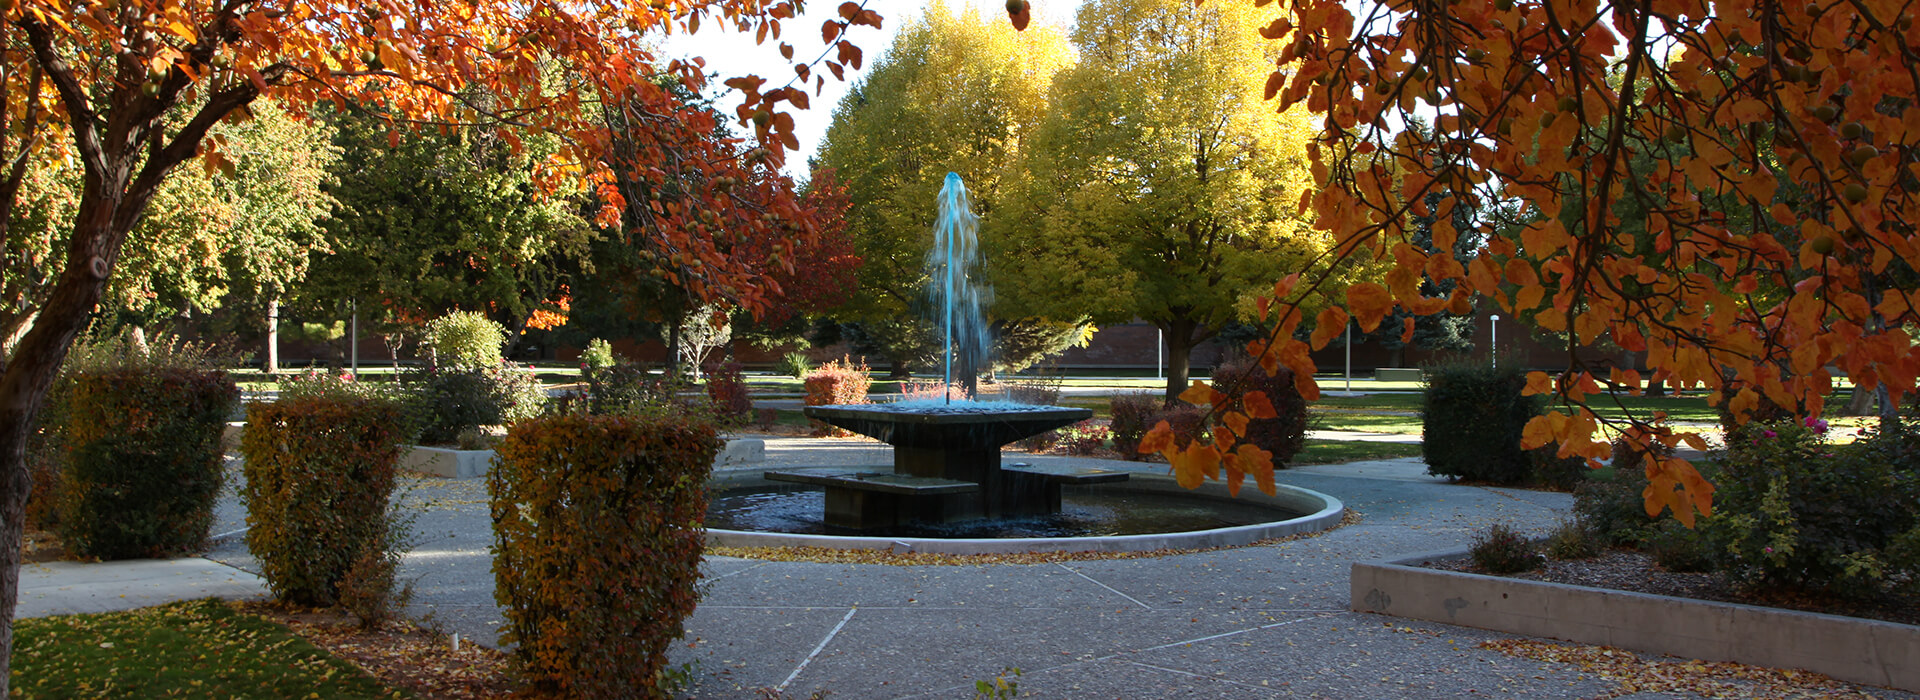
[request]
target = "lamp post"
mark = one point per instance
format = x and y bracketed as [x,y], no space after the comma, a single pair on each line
[1493,333]
[1350,360]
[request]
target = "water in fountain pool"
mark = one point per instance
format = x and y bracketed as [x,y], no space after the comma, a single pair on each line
[1085,512]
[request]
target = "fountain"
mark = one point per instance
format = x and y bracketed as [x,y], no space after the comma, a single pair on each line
[946,455]
[946,471]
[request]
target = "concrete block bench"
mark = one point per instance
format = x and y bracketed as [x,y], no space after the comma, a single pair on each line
[1398,374]
[863,498]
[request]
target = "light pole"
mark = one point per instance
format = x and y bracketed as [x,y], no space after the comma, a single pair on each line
[1493,333]
[1350,360]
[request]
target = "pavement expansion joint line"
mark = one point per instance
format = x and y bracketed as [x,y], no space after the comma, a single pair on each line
[1102,585]
[1190,674]
[943,692]
[736,573]
[816,650]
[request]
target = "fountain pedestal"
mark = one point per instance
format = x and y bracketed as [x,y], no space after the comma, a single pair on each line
[946,465]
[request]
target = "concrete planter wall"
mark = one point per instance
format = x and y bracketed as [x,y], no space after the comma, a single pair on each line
[447,462]
[1850,649]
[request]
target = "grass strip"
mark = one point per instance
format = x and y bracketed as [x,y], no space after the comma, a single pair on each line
[200,648]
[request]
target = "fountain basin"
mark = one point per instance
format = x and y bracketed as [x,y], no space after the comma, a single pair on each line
[1295,511]
[931,426]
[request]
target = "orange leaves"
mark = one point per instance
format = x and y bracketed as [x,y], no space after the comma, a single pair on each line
[1329,325]
[1200,394]
[1369,303]
[1674,485]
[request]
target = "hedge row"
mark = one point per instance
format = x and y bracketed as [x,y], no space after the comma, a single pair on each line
[319,475]
[142,462]
[598,530]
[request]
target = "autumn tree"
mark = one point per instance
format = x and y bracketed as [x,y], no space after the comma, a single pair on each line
[955,93]
[1160,185]
[823,275]
[1527,111]
[216,237]
[113,78]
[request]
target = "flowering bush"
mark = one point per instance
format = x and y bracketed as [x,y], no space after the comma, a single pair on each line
[1084,438]
[1793,510]
[337,385]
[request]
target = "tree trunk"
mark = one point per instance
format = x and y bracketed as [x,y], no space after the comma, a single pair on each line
[1180,342]
[97,236]
[273,337]
[1859,403]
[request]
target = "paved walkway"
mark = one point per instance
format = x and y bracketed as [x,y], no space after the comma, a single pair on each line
[1254,622]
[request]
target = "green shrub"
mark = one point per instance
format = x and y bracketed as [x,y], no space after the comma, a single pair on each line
[142,467]
[1616,509]
[1676,547]
[448,402]
[727,394]
[795,364]
[47,443]
[598,356]
[463,340]
[320,474]
[1284,435]
[1473,417]
[1131,414]
[628,388]
[1572,539]
[1795,511]
[1502,550]
[1556,472]
[597,525]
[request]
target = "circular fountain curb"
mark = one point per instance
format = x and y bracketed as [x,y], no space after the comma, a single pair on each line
[1326,512]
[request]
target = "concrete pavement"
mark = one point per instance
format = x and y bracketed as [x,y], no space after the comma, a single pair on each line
[1265,621]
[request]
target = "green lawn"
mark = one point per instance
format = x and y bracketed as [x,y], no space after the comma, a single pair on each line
[199,648]
[1337,451]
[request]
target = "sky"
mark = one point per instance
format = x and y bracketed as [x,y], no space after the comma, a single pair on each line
[731,54]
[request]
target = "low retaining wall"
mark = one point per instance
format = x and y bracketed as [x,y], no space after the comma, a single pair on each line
[1850,649]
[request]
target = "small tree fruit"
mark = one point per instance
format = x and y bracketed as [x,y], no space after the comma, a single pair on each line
[1853,130]
[1855,192]
[1861,155]
[1822,245]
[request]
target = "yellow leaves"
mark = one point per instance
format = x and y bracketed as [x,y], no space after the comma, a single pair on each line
[1370,303]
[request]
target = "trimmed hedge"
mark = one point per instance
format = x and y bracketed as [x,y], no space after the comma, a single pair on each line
[1473,417]
[598,528]
[836,383]
[319,475]
[1284,435]
[142,465]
